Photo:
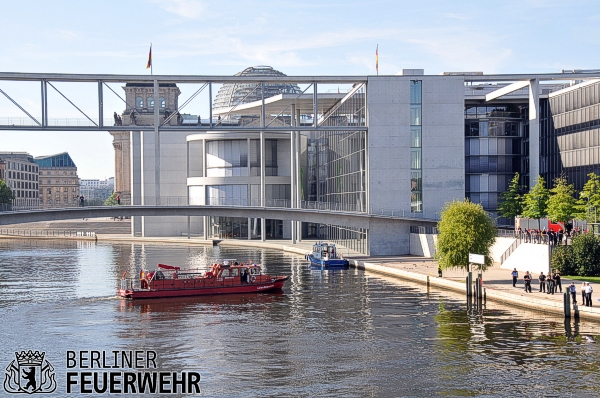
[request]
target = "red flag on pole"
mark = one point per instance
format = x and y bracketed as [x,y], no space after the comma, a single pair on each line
[377,59]
[149,64]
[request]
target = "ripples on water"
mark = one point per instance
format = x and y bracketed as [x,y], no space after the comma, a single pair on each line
[342,333]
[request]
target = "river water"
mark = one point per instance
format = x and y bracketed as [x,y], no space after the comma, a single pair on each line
[341,334]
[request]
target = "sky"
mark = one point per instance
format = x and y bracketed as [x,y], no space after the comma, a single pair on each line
[195,37]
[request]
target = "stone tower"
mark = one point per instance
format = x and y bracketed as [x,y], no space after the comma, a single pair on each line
[139,98]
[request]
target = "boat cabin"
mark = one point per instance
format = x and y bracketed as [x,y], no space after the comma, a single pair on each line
[324,251]
[228,271]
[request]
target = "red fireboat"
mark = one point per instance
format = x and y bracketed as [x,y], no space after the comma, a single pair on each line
[223,278]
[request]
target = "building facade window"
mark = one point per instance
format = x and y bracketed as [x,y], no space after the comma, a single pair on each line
[416,169]
[139,102]
[150,102]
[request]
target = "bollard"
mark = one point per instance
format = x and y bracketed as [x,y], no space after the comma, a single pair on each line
[427,280]
[567,304]
[484,295]
[470,284]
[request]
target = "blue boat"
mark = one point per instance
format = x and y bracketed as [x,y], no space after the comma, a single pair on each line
[326,256]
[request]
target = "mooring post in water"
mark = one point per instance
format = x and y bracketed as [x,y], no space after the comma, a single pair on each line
[567,304]
[484,299]
[427,280]
[470,284]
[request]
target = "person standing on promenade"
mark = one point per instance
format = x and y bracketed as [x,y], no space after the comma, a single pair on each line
[542,279]
[527,279]
[550,280]
[557,282]
[583,293]
[588,294]
[573,291]
[118,199]
[515,275]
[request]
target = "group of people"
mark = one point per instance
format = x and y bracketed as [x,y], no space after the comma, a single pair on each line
[586,293]
[550,284]
[118,119]
[545,237]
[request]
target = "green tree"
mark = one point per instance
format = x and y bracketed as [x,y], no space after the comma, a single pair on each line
[111,200]
[536,201]
[511,205]
[588,204]
[561,204]
[464,228]
[6,194]
[586,254]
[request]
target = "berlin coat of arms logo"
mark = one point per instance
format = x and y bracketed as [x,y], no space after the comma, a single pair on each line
[30,373]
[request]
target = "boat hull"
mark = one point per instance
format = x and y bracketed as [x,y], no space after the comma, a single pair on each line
[328,264]
[275,284]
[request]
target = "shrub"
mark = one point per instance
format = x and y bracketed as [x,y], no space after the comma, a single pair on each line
[562,260]
[586,254]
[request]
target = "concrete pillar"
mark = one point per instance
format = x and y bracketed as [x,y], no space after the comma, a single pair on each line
[156,143]
[293,171]
[534,131]
[298,175]
[263,189]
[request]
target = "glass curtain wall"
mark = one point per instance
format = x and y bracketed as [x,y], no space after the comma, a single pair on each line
[336,172]
[570,135]
[493,152]
[416,169]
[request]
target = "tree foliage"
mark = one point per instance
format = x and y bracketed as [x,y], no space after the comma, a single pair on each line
[586,254]
[581,258]
[511,205]
[111,200]
[588,204]
[6,194]
[464,228]
[562,260]
[536,200]
[561,204]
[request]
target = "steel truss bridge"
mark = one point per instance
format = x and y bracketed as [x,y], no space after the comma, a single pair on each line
[310,101]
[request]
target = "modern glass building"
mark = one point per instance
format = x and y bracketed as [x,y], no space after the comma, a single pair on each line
[387,146]
[570,139]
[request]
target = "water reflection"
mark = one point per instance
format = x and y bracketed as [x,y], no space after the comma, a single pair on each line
[336,333]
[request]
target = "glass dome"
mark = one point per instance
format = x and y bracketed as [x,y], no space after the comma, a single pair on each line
[231,94]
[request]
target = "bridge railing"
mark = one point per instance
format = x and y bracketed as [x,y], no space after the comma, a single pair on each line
[56,122]
[241,202]
[44,233]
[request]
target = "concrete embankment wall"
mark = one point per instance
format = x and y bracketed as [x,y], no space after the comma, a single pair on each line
[553,307]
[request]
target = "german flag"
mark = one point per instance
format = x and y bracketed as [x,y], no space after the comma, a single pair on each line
[149,64]
[377,59]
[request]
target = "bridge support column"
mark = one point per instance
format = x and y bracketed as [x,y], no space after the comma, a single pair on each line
[299,197]
[293,172]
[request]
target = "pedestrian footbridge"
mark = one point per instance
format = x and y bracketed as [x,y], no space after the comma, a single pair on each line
[329,216]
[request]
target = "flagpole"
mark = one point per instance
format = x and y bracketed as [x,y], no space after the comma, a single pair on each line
[151,73]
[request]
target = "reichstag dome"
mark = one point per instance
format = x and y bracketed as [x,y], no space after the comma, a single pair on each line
[232,94]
